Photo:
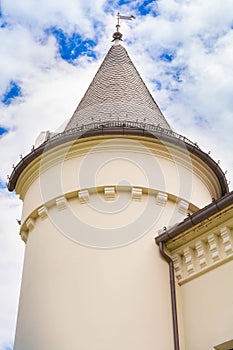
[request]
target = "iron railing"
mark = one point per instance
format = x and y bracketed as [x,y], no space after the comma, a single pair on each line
[153,129]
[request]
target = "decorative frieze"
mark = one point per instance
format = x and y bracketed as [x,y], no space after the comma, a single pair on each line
[30,224]
[189,259]
[136,193]
[161,198]
[214,246]
[182,206]
[226,236]
[109,193]
[200,247]
[200,255]
[43,213]
[177,263]
[61,203]
[24,236]
[83,196]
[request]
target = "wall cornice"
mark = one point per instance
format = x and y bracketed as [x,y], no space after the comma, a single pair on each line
[203,247]
[108,193]
[80,147]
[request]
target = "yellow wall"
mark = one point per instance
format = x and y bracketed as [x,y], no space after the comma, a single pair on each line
[208,308]
[76,295]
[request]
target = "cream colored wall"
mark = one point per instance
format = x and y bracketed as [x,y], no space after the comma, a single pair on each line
[113,162]
[74,297]
[208,308]
[77,297]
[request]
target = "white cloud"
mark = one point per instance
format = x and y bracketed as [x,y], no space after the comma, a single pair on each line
[200,36]
[10,266]
[78,15]
[200,106]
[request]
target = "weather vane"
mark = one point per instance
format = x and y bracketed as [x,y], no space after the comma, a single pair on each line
[117,35]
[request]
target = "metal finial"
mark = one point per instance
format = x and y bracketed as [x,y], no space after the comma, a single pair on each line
[117,35]
[118,21]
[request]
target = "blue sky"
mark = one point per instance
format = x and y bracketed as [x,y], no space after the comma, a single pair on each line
[2,131]
[12,91]
[71,46]
[48,56]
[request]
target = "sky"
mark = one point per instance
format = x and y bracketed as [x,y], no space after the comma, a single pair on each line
[49,53]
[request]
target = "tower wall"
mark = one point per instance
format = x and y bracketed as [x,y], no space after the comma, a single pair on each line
[93,277]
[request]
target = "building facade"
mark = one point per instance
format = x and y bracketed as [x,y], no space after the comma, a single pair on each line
[111,206]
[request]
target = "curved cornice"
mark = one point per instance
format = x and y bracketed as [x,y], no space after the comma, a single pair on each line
[115,129]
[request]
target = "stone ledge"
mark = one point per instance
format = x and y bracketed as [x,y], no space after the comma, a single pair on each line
[204,253]
[136,193]
[61,203]
[43,212]
[83,196]
[109,193]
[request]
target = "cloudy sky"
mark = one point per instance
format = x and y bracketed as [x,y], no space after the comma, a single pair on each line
[50,51]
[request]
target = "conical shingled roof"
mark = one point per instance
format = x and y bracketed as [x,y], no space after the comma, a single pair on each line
[117,92]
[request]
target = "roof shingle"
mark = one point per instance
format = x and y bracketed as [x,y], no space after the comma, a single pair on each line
[117,92]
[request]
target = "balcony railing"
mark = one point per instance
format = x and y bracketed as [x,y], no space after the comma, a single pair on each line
[152,129]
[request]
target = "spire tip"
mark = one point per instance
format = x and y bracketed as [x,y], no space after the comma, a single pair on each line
[117,35]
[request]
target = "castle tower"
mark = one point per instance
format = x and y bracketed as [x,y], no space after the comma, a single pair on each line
[94,198]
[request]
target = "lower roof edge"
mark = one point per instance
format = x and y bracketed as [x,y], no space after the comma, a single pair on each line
[114,129]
